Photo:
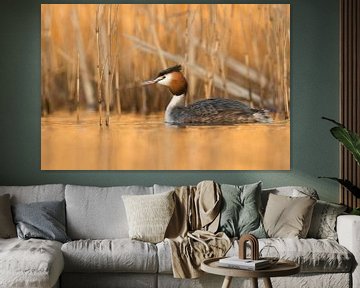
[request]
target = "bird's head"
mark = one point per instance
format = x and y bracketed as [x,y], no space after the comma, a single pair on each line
[171,78]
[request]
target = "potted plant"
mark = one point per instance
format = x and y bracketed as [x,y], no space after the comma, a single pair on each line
[351,141]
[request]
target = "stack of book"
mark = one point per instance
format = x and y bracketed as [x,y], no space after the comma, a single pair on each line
[248,264]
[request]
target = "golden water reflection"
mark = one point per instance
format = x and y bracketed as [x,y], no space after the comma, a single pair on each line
[136,142]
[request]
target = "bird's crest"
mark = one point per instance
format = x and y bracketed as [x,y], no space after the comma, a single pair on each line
[176,68]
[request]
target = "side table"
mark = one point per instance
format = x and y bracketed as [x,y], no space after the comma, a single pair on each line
[281,268]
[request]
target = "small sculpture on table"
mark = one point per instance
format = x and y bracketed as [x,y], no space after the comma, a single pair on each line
[254,246]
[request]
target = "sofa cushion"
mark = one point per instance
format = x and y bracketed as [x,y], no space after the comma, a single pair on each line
[240,210]
[36,193]
[30,263]
[164,257]
[323,222]
[313,255]
[287,216]
[43,220]
[149,215]
[7,226]
[117,255]
[98,213]
[291,191]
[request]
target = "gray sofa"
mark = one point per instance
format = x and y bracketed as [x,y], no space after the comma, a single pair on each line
[101,255]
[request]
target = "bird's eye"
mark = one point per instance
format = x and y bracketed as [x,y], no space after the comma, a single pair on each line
[160,78]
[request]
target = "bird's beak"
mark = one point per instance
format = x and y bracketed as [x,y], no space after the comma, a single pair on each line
[149,82]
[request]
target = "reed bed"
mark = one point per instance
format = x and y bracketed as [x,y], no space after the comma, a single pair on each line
[97,60]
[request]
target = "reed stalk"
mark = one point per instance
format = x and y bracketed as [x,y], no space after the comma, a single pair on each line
[213,42]
[99,74]
[117,87]
[286,63]
[156,38]
[285,85]
[190,53]
[86,83]
[108,79]
[226,39]
[278,77]
[78,88]
[251,102]
[70,76]
[263,83]
[137,30]
[46,65]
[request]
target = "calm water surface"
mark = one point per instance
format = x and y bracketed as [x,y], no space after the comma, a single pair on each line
[137,142]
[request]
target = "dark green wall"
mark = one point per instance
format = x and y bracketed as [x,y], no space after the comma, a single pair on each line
[314,92]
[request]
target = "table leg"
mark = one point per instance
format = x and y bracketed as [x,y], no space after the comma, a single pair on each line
[254,282]
[227,282]
[267,283]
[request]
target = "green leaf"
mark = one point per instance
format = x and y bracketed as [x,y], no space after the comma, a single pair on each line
[349,139]
[348,185]
[355,211]
[333,121]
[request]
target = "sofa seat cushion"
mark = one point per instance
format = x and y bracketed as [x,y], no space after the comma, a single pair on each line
[313,255]
[30,263]
[115,255]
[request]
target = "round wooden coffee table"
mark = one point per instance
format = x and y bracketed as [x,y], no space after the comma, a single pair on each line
[281,268]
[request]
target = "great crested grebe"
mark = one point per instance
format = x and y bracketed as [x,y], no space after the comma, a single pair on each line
[204,112]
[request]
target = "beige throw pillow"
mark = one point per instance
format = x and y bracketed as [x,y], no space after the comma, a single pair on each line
[149,215]
[288,217]
[7,226]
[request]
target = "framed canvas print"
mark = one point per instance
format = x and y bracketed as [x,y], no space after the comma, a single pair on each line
[165,87]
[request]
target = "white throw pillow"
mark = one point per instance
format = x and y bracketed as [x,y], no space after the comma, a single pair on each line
[149,215]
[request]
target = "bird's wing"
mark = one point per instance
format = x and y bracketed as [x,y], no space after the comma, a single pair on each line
[215,106]
[213,111]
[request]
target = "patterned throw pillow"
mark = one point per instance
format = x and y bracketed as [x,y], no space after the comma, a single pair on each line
[288,217]
[149,215]
[323,223]
[240,213]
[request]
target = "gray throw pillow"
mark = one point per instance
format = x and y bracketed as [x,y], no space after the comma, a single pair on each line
[323,222]
[240,213]
[7,227]
[43,220]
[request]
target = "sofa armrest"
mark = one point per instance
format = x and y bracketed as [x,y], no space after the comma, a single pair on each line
[348,230]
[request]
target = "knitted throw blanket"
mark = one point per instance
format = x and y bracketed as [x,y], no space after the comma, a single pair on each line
[191,232]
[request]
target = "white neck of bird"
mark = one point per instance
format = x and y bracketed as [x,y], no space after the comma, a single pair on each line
[176,101]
